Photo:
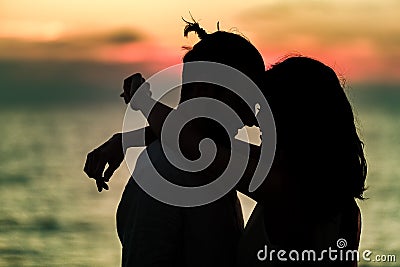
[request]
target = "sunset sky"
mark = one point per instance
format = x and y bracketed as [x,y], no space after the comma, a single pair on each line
[359,39]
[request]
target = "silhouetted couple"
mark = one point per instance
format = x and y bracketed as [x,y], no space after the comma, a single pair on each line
[307,201]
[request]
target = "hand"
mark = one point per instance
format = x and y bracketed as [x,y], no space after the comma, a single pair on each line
[142,100]
[110,153]
[131,84]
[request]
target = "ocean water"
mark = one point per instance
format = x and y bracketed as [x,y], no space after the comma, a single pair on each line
[52,215]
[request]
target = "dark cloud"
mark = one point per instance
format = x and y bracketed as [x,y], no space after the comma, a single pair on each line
[123,36]
[70,47]
[117,36]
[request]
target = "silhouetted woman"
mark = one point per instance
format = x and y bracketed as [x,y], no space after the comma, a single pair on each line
[307,202]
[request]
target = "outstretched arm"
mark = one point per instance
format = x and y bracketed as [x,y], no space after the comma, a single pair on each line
[111,153]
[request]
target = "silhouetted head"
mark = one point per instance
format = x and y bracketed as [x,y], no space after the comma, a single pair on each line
[316,132]
[229,49]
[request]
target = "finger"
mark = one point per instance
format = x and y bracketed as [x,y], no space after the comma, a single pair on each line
[100,165]
[146,89]
[99,185]
[132,92]
[146,86]
[128,80]
[109,172]
[105,186]
[137,81]
[132,79]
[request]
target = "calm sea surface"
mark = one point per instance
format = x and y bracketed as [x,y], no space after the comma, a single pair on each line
[52,215]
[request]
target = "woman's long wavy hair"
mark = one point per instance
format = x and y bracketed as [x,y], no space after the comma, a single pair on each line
[316,131]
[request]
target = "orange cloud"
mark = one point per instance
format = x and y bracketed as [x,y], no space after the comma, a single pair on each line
[359,39]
